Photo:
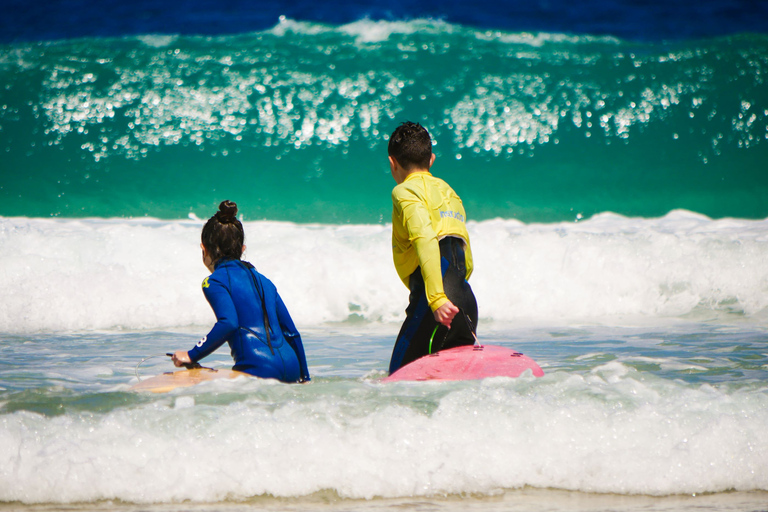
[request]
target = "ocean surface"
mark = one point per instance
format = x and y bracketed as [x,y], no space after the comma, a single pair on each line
[613,162]
[292,122]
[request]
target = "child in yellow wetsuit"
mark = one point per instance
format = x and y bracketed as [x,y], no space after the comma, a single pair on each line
[431,251]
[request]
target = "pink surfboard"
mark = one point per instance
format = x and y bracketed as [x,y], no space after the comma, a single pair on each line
[467,363]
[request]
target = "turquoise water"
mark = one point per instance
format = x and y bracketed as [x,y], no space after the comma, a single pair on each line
[292,123]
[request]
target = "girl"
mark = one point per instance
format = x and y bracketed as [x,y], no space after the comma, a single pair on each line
[250,315]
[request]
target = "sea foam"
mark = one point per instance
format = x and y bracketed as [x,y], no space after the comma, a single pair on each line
[145,274]
[611,430]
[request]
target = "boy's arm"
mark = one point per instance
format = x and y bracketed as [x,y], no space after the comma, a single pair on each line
[468,260]
[422,236]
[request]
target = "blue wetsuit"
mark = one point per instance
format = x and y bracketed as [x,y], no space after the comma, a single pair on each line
[251,317]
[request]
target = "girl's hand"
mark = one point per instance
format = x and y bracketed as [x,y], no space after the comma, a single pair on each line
[180,358]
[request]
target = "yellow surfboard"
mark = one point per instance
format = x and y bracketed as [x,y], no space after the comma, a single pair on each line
[184,378]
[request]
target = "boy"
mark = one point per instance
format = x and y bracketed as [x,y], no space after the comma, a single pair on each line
[430,248]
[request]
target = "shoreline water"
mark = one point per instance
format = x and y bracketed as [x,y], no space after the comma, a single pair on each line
[518,500]
[633,417]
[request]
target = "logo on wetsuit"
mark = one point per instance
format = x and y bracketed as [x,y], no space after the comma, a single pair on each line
[205,338]
[205,283]
[455,215]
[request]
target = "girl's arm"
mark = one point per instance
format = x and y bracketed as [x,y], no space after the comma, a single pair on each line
[226,319]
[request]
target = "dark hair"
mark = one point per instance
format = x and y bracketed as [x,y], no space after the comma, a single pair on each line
[411,146]
[223,234]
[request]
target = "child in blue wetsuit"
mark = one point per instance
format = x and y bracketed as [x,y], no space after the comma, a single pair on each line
[250,315]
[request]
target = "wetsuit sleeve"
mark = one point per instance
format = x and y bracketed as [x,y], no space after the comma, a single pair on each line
[422,235]
[468,259]
[226,319]
[292,336]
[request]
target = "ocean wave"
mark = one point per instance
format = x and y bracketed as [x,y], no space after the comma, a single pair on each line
[609,430]
[145,274]
[555,122]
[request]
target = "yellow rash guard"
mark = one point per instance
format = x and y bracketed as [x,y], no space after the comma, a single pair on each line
[425,210]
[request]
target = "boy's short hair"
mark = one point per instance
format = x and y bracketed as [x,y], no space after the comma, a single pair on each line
[411,146]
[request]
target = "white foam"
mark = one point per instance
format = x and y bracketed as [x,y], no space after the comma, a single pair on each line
[369,31]
[365,30]
[158,40]
[146,274]
[609,431]
[615,266]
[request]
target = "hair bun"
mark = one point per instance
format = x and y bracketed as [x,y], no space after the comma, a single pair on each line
[227,213]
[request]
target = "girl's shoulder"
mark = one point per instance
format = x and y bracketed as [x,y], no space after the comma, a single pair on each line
[263,280]
[212,280]
[221,275]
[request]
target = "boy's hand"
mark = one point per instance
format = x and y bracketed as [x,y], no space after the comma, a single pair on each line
[445,313]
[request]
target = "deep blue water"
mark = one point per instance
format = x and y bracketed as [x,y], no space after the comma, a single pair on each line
[25,20]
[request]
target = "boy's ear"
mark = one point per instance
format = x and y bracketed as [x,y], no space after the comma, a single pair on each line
[432,160]
[392,163]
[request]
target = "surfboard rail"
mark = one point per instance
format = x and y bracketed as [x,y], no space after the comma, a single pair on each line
[169,381]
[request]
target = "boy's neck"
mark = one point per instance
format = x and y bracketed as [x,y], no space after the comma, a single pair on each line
[403,175]
[400,174]
[415,170]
